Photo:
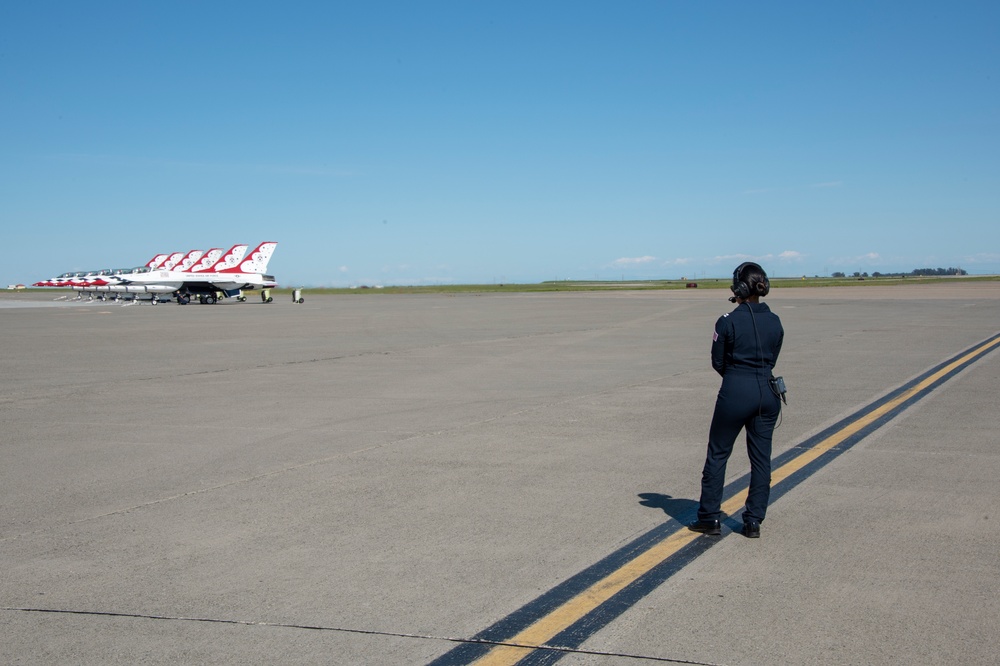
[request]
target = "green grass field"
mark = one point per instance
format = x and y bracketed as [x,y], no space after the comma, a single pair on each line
[593,285]
[629,285]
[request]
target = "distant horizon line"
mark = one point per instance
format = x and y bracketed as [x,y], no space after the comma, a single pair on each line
[727,278]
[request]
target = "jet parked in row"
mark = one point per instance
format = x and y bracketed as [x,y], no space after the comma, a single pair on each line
[208,275]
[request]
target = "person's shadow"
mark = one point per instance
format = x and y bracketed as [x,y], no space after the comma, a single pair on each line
[681,510]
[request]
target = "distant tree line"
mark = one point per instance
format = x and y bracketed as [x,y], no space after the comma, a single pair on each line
[940,271]
[915,271]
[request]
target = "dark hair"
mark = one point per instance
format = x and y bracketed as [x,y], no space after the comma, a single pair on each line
[755,278]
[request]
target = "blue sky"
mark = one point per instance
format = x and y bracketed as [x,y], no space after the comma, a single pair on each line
[479,142]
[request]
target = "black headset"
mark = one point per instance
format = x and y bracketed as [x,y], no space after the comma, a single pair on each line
[742,289]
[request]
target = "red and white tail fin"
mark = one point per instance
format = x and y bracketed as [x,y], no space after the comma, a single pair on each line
[230,259]
[189,260]
[171,261]
[155,262]
[256,261]
[206,261]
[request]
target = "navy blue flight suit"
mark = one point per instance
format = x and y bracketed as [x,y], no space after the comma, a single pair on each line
[745,348]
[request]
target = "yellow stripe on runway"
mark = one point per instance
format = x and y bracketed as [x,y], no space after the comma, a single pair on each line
[571,611]
[544,629]
[836,438]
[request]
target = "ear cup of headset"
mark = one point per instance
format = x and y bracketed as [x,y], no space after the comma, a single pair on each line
[740,289]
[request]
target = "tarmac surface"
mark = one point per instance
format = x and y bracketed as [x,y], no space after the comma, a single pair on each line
[378,479]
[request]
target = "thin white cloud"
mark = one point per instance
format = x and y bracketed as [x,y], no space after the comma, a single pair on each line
[633,261]
[344,269]
[727,258]
[866,258]
[791,255]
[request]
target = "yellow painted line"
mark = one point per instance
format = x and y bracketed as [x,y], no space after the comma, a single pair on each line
[545,628]
[836,438]
[571,611]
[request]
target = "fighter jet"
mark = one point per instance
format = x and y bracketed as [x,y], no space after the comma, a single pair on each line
[209,275]
[228,277]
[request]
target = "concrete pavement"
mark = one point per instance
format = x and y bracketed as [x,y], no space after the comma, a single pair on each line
[371,478]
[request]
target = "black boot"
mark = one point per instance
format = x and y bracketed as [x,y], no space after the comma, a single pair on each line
[709,527]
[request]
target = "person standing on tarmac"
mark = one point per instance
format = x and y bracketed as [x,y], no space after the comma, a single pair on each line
[745,348]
